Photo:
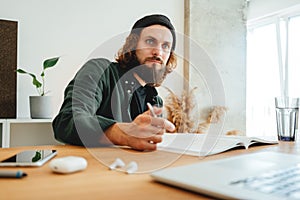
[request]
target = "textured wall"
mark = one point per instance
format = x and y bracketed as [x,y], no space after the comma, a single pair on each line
[218,27]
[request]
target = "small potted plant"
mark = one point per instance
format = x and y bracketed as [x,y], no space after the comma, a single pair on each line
[40,106]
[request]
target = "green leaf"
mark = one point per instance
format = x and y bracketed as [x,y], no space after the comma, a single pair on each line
[36,157]
[50,62]
[35,82]
[21,71]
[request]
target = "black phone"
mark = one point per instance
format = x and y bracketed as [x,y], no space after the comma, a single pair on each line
[34,158]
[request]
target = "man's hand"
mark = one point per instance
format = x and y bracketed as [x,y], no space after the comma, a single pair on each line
[141,134]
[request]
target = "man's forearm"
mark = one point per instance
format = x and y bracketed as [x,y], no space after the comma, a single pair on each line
[115,135]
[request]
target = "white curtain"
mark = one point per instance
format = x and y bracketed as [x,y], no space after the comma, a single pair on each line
[264,70]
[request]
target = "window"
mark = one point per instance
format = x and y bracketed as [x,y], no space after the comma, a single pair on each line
[264,70]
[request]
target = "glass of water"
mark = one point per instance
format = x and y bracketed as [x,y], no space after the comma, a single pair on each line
[287,109]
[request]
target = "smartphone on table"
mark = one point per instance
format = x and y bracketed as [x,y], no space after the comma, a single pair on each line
[29,158]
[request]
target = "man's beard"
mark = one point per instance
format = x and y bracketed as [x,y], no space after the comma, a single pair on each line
[154,75]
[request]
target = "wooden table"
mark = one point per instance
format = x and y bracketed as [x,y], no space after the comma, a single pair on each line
[98,182]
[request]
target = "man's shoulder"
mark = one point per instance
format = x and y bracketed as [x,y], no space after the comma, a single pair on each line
[100,64]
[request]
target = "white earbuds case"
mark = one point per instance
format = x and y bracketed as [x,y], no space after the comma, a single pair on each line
[68,164]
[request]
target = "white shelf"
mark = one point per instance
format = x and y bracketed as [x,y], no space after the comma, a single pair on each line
[26,131]
[28,120]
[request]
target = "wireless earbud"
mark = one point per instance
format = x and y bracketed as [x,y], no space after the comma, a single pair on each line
[131,167]
[118,163]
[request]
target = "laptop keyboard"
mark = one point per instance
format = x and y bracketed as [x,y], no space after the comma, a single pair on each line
[285,183]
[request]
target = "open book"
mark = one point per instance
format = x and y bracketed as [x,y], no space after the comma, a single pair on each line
[205,144]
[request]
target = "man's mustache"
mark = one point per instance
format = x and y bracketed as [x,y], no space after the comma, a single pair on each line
[154,58]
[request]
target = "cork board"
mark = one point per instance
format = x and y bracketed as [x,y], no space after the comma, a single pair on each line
[8,64]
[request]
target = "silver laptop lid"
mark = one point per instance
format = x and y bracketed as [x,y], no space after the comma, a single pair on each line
[216,177]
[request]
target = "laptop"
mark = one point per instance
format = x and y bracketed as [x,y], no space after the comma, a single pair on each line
[262,175]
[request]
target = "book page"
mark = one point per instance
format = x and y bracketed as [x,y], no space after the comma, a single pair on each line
[248,141]
[193,144]
[182,143]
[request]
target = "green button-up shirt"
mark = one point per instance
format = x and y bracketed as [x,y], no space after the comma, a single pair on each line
[101,94]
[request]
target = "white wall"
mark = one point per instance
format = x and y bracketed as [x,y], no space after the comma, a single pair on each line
[72,30]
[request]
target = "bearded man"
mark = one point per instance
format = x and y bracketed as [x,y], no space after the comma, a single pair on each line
[108,102]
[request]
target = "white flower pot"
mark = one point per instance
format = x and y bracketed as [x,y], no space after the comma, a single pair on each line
[40,107]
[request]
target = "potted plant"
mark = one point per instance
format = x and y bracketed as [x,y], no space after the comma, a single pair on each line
[40,106]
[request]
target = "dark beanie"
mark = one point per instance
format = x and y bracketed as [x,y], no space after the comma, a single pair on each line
[152,20]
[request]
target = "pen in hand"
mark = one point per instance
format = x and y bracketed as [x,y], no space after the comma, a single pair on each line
[151,110]
[12,174]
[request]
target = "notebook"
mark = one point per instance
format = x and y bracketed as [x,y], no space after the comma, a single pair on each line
[262,175]
[204,144]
